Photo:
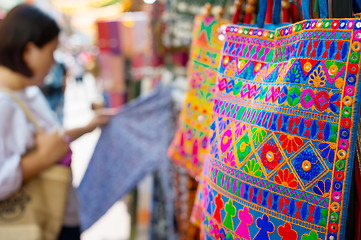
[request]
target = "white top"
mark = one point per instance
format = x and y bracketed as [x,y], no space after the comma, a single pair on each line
[17,137]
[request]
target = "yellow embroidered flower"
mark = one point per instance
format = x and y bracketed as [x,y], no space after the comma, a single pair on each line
[318,77]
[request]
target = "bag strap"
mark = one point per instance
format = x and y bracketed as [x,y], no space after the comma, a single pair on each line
[25,108]
[263,10]
[262,13]
[276,12]
[356,6]
[306,9]
[323,8]
[322,5]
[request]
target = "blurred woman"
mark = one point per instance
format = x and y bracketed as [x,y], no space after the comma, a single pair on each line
[28,40]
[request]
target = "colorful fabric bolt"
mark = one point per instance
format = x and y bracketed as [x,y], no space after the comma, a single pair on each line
[191,143]
[284,134]
[131,146]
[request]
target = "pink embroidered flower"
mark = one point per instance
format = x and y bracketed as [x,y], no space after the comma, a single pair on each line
[240,128]
[229,159]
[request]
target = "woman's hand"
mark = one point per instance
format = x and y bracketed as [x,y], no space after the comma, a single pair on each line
[101,118]
[50,149]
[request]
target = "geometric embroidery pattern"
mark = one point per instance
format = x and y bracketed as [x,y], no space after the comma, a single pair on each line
[283,136]
[191,142]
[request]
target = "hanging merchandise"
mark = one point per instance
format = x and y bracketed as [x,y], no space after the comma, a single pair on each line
[190,147]
[141,221]
[199,202]
[112,79]
[180,17]
[191,143]
[162,211]
[134,29]
[111,62]
[199,206]
[132,145]
[250,9]
[185,189]
[284,135]
[291,10]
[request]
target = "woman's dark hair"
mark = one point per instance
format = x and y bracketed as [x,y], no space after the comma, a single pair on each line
[24,24]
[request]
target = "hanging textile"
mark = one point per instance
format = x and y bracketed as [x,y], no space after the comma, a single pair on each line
[191,144]
[200,202]
[132,145]
[159,211]
[180,18]
[284,135]
[186,189]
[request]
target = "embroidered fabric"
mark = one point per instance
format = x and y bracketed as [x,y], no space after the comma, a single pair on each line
[284,134]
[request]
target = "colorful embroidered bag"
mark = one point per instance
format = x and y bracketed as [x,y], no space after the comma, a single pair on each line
[282,144]
[199,201]
[191,143]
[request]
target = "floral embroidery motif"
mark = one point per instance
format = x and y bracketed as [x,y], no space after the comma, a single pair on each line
[270,156]
[333,69]
[287,233]
[258,135]
[312,236]
[294,76]
[214,150]
[307,165]
[290,143]
[287,179]
[223,124]
[243,147]
[253,168]
[327,151]
[307,67]
[240,128]
[323,188]
[229,159]
[318,77]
